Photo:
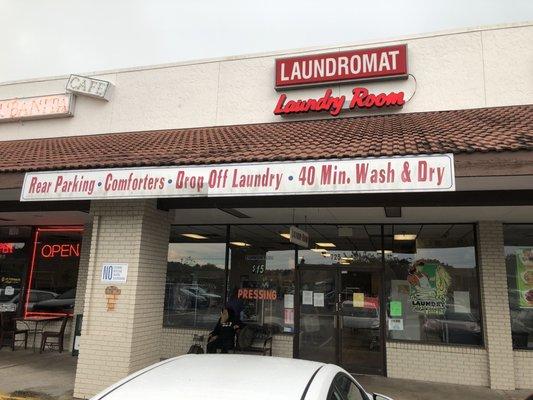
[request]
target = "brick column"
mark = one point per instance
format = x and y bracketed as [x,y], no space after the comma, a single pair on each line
[116,343]
[495,305]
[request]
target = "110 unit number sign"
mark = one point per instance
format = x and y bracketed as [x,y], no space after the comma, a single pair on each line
[115,273]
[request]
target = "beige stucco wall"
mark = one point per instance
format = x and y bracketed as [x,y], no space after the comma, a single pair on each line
[467,69]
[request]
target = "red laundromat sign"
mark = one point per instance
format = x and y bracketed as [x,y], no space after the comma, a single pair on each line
[345,66]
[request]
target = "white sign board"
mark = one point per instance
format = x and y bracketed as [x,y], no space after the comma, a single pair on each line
[8,307]
[299,237]
[114,273]
[91,87]
[39,107]
[395,324]
[307,297]
[367,175]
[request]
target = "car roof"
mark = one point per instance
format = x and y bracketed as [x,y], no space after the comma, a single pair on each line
[217,376]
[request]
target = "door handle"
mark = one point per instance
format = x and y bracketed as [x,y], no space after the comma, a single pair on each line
[335,321]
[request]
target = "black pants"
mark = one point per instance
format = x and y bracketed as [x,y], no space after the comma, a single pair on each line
[218,343]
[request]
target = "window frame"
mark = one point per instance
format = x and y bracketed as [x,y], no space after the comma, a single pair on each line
[383,316]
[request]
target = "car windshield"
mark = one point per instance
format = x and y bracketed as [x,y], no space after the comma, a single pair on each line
[69,294]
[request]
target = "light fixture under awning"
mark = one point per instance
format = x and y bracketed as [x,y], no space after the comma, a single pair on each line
[405,236]
[194,236]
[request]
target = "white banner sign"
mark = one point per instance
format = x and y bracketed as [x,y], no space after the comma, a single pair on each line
[367,175]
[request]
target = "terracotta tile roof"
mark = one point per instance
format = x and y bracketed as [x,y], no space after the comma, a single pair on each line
[460,131]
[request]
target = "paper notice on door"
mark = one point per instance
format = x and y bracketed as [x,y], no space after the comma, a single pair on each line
[307,297]
[288,301]
[359,300]
[288,316]
[395,324]
[318,299]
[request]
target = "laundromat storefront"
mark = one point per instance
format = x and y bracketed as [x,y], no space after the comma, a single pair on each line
[368,262]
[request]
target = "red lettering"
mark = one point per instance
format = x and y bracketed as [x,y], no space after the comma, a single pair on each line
[61,250]
[6,248]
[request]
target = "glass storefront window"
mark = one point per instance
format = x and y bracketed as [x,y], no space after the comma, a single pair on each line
[518,240]
[54,271]
[433,286]
[261,276]
[14,260]
[194,290]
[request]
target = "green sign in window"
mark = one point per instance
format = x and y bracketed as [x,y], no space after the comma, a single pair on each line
[395,308]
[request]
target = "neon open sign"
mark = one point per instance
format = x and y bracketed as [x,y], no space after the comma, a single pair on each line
[60,250]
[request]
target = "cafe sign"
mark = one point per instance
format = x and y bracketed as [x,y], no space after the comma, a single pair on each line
[38,107]
[91,87]
[427,173]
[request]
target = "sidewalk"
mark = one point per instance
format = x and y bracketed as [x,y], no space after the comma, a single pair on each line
[403,389]
[50,375]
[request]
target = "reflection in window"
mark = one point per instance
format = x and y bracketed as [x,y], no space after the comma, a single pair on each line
[14,258]
[261,279]
[55,271]
[518,241]
[432,278]
[194,291]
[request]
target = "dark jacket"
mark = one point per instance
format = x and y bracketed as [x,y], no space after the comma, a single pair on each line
[225,332]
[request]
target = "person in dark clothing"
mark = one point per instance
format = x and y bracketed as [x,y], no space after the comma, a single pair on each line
[223,336]
[235,304]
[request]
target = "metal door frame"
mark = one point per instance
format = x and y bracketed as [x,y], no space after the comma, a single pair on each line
[337,271]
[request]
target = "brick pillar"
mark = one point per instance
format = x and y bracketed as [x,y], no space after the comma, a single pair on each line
[495,305]
[116,343]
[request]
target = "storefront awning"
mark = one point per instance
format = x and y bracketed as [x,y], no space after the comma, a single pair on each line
[483,130]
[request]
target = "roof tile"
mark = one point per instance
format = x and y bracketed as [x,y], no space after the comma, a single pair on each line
[458,131]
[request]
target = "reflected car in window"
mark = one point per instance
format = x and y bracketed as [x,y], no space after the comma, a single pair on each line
[457,325]
[64,303]
[36,296]
[366,317]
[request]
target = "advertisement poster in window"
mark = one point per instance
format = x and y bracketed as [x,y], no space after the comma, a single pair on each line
[428,287]
[524,277]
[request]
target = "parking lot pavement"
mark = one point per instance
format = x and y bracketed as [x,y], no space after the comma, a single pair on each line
[403,389]
[27,374]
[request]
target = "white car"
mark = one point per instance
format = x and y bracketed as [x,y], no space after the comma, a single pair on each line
[235,377]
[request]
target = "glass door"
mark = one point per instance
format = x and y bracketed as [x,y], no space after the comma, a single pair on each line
[360,347]
[340,318]
[318,316]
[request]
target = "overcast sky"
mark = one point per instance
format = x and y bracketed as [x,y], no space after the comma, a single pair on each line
[55,37]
